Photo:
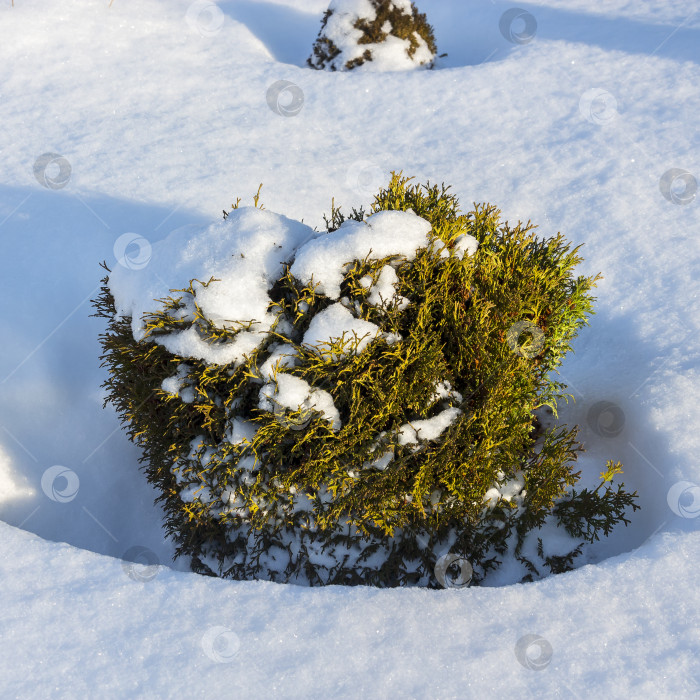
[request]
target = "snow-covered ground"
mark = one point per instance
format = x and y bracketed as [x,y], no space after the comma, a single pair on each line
[580,116]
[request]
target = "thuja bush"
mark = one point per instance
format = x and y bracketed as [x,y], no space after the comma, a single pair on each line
[382,428]
[389,34]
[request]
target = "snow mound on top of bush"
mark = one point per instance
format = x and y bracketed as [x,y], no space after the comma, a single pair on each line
[245,254]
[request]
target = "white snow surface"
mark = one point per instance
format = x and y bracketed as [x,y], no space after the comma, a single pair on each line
[160,111]
[356,8]
[466,244]
[429,428]
[288,391]
[323,259]
[383,293]
[335,323]
[281,355]
[178,385]
[85,622]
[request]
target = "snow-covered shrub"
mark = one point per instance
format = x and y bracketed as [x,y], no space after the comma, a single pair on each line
[355,405]
[376,34]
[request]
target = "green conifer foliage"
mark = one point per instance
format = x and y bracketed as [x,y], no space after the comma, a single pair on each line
[303,502]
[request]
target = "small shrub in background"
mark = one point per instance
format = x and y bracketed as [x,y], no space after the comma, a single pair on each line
[375,34]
